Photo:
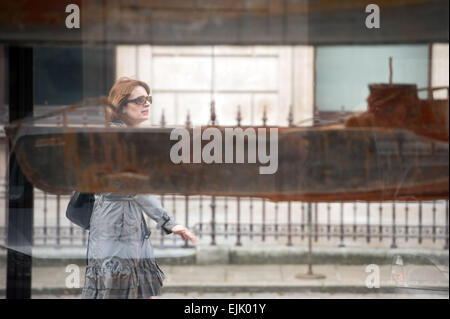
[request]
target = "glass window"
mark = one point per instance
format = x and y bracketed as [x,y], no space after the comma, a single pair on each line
[344,72]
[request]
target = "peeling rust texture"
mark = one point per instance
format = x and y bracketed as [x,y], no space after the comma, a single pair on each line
[333,163]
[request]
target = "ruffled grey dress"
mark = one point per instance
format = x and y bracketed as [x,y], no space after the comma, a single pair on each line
[120,259]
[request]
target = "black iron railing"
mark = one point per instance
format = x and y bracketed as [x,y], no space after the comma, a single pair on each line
[245,221]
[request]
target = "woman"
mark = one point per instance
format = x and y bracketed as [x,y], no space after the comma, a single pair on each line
[120,256]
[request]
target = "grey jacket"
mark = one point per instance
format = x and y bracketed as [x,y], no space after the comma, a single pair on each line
[118,226]
[146,203]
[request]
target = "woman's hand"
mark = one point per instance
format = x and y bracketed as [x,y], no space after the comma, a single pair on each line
[184,233]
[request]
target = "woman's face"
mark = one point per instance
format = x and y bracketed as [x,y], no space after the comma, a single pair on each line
[136,113]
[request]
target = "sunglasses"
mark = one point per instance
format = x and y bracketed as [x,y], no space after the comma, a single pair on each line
[141,100]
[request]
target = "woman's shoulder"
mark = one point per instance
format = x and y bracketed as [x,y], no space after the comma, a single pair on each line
[114,196]
[149,200]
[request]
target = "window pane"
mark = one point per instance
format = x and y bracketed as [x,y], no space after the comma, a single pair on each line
[344,72]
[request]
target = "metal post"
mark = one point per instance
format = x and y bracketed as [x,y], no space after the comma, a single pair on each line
[200,204]
[84,238]
[20,200]
[434,221]
[316,222]
[368,223]
[58,223]
[302,223]
[174,214]
[289,243]
[161,231]
[309,274]
[446,225]
[238,229]
[263,237]
[328,222]
[420,222]
[406,221]
[341,244]
[45,218]
[276,220]
[310,271]
[354,221]
[226,217]
[213,220]
[380,226]
[251,217]
[393,245]
[186,222]
[71,233]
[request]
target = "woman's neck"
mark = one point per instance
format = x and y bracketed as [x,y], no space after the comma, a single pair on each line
[129,122]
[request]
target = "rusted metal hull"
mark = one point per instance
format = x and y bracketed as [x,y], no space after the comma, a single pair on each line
[243,22]
[314,164]
[398,106]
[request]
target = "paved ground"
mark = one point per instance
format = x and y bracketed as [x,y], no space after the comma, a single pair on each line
[265,276]
[272,296]
[264,281]
[60,280]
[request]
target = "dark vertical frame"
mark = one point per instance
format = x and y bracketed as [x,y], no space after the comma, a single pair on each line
[3,83]
[4,118]
[315,110]
[20,190]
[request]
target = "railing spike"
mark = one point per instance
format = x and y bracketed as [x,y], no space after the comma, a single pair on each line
[239,116]
[163,119]
[264,119]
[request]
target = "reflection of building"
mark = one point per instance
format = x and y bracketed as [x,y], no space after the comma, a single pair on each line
[334,79]
[286,56]
[187,78]
[253,78]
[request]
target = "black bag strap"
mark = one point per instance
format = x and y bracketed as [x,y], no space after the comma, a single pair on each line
[147,230]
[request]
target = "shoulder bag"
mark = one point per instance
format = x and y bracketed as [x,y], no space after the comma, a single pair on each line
[79,209]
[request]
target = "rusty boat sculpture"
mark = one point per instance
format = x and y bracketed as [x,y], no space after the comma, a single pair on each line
[397,150]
